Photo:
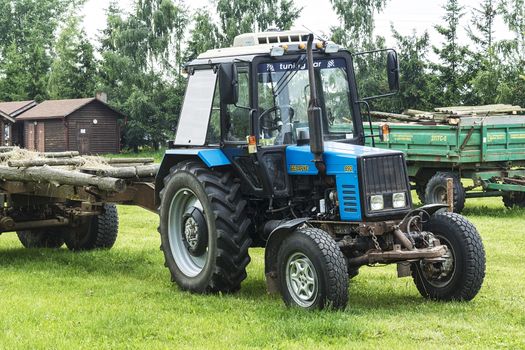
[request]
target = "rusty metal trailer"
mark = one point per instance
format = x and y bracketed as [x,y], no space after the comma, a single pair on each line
[48,203]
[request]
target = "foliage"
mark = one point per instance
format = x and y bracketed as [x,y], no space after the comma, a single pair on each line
[450,69]
[73,71]
[244,16]
[27,39]
[44,53]
[204,36]
[357,22]
[140,71]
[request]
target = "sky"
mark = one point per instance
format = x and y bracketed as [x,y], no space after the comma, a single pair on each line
[317,15]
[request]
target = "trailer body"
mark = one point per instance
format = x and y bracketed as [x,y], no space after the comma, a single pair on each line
[489,150]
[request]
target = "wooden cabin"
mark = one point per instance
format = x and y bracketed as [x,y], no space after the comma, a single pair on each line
[11,133]
[86,125]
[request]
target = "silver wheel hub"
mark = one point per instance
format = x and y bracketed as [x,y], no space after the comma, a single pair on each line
[191,231]
[301,279]
[183,233]
[440,274]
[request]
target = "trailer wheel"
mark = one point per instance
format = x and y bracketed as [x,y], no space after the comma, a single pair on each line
[204,229]
[461,275]
[41,238]
[436,190]
[97,232]
[514,199]
[420,191]
[312,271]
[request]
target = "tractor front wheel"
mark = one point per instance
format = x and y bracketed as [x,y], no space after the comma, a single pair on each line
[460,274]
[204,228]
[312,271]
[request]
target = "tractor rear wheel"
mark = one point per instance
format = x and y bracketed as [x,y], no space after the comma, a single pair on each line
[41,238]
[204,228]
[461,274]
[436,190]
[96,232]
[312,271]
[514,199]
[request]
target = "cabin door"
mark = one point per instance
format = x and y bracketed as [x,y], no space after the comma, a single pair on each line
[83,138]
[40,137]
[30,142]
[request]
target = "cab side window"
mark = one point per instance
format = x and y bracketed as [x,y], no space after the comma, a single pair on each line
[237,117]
[213,137]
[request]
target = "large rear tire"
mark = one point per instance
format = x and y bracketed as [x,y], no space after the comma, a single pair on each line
[204,228]
[41,238]
[97,232]
[461,275]
[312,271]
[436,190]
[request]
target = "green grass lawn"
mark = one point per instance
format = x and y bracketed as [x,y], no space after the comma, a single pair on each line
[123,298]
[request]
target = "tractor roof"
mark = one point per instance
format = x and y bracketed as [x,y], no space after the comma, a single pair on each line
[250,45]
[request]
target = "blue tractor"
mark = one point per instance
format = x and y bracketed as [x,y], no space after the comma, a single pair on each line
[269,153]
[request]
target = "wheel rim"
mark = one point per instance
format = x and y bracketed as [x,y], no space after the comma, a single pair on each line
[301,279]
[442,276]
[182,234]
[440,195]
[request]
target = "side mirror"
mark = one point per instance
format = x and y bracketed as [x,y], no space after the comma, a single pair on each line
[228,85]
[392,66]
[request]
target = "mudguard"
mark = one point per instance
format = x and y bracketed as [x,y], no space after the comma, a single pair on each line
[212,157]
[272,247]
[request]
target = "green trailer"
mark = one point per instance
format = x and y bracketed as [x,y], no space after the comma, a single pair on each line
[489,150]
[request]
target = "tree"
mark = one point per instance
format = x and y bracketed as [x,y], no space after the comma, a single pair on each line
[73,71]
[450,69]
[204,36]
[28,32]
[357,22]
[417,88]
[140,69]
[512,59]
[244,16]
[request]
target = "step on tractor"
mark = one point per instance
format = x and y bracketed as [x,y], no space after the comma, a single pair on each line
[269,152]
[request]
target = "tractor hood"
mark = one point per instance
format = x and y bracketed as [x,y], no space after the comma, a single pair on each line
[339,158]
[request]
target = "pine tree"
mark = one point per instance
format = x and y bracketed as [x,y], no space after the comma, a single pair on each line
[451,54]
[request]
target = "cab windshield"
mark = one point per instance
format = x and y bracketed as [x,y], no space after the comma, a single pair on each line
[284,93]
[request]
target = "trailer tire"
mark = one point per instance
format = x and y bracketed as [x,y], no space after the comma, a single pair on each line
[320,269]
[436,190]
[211,202]
[461,275]
[420,191]
[40,238]
[98,232]
[514,199]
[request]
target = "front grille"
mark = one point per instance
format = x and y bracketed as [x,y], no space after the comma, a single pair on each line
[384,175]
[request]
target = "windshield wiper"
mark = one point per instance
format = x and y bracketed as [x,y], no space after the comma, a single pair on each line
[289,75]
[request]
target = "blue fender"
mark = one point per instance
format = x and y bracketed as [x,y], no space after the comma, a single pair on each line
[212,157]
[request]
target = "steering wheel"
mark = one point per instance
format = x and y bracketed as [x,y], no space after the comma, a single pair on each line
[276,123]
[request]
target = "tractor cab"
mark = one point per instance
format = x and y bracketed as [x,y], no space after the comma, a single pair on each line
[269,152]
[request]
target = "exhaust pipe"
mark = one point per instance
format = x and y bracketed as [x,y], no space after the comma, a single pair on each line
[314,112]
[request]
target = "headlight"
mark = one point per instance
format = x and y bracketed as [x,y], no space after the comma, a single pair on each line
[399,200]
[377,202]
